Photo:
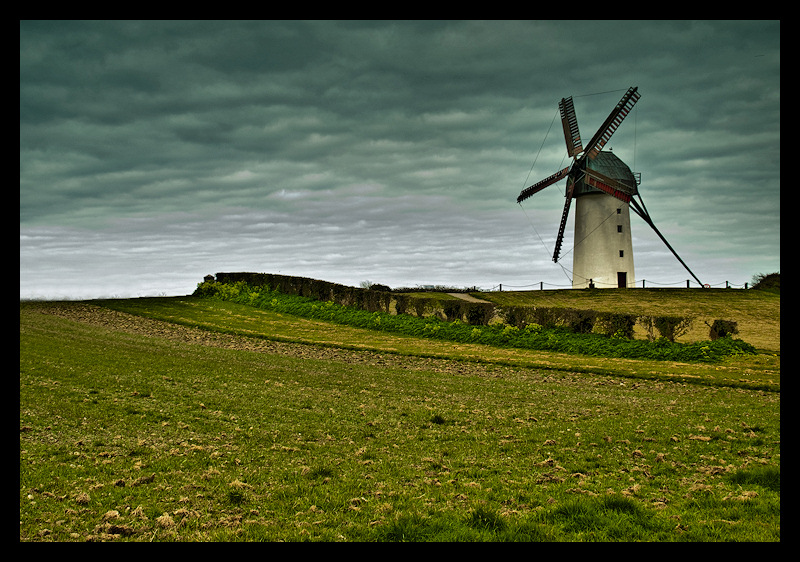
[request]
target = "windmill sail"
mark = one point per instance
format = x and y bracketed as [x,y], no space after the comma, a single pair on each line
[564,215]
[612,122]
[569,122]
[538,186]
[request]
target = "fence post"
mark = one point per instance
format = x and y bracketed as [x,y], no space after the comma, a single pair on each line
[642,283]
[541,285]
[687,283]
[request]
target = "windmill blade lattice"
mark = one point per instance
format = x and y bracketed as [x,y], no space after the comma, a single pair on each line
[613,121]
[537,187]
[564,215]
[569,122]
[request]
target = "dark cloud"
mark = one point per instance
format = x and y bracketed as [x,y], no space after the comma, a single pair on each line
[392,151]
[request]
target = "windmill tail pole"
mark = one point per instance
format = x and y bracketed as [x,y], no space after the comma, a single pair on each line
[642,212]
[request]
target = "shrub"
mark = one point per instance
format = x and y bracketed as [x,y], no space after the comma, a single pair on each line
[669,327]
[452,310]
[581,321]
[479,313]
[770,282]
[206,289]
[723,328]
[615,324]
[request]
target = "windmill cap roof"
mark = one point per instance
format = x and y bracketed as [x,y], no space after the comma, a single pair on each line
[608,164]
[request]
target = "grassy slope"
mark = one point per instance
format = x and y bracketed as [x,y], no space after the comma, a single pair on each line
[762,371]
[136,437]
[757,312]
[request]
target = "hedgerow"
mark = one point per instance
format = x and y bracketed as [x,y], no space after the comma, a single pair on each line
[532,336]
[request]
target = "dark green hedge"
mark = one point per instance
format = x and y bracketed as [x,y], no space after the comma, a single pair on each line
[580,321]
[380,299]
[533,336]
[371,300]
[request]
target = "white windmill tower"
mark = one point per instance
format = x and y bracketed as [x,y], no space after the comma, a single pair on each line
[604,189]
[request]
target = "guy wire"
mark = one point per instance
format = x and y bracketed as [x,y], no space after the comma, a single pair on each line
[540,150]
[534,229]
[525,183]
[599,93]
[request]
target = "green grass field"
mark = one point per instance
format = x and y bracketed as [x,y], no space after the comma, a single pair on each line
[188,419]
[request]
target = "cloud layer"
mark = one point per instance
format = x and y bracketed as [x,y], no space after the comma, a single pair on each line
[153,153]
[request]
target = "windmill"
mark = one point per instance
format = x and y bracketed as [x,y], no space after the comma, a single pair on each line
[604,189]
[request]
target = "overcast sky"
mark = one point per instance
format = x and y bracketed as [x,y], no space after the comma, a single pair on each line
[154,153]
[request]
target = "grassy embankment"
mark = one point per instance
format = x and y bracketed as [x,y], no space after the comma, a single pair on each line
[756,312]
[142,437]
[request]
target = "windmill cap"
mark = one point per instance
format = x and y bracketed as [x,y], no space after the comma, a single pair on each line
[608,164]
